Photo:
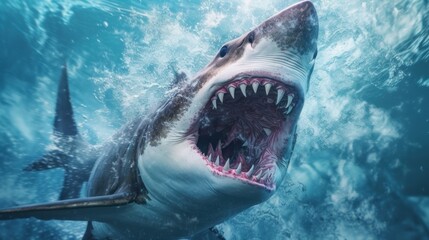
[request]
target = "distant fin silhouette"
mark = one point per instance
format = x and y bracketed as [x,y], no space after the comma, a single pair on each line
[70,153]
[64,123]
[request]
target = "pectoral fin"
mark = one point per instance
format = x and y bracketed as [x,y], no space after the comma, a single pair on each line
[83,209]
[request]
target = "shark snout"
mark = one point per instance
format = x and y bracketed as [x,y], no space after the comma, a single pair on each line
[294,28]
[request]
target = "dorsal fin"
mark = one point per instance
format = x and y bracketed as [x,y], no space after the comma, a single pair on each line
[64,123]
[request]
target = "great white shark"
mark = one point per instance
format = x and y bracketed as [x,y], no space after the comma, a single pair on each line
[221,144]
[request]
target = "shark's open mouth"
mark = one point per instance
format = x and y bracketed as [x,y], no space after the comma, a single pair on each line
[244,129]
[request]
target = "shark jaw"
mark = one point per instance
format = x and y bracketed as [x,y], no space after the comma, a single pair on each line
[249,100]
[244,130]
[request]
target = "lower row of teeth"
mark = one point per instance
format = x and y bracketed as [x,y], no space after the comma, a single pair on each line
[261,176]
[255,85]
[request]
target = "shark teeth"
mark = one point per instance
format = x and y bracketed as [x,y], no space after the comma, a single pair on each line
[231,91]
[289,109]
[238,170]
[255,168]
[289,99]
[214,103]
[243,89]
[220,96]
[226,166]
[255,86]
[217,161]
[267,131]
[250,172]
[256,174]
[257,177]
[255,83]
[280,94]
[267,88]
[217,153]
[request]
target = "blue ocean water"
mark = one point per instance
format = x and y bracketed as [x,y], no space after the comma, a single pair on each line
[361,165]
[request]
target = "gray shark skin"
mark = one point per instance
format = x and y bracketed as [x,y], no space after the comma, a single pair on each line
[221,144]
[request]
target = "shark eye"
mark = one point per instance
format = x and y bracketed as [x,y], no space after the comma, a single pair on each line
[251,37]
[223,51]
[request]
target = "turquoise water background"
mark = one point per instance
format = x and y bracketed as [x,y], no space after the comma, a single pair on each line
[361,165]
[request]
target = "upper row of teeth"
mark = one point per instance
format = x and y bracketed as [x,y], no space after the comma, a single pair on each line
[255,85]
